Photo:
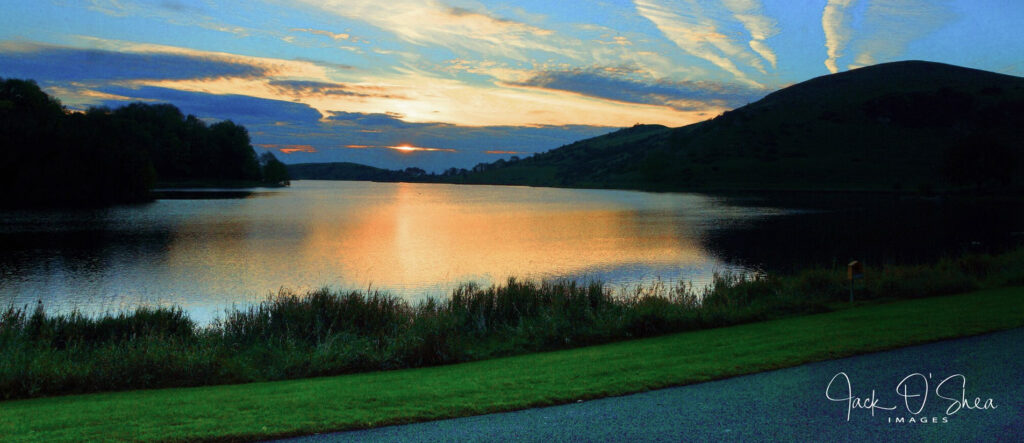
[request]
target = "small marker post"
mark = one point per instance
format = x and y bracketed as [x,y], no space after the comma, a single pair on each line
[854,271]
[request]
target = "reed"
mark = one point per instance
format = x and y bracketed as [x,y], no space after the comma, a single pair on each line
[328,332]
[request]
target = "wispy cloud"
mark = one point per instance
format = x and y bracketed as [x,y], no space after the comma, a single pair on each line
[629,86]
[432,23]
[52,63]
[699,32]
[271,67]
[305,89]
[885,28]
[171,11]
[835,21]
[890,25]
[758,25]
[332,35]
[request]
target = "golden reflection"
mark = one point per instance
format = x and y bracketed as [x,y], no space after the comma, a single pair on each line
[416,239]
[424,235]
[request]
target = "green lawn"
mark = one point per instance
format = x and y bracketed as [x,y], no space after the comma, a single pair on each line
[372,399]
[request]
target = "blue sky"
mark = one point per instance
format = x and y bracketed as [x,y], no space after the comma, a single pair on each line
[348,80]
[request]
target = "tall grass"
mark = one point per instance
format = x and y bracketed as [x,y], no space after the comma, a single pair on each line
[327,332]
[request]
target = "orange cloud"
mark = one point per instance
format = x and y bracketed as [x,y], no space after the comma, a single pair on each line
[291,149]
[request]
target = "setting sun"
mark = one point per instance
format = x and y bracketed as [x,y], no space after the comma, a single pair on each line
[406,148]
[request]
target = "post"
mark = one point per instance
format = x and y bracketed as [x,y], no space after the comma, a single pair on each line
[854,271]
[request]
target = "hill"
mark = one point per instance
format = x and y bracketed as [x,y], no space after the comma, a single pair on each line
[912,125]
[350,171]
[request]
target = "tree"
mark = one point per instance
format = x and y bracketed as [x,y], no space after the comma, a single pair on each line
[233,156]
[274,171]
[53,157]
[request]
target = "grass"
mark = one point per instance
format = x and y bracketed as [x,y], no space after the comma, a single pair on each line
[260,410]
[324,332]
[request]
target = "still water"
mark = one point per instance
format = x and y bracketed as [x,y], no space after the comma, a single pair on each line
[419,240]
[413,240]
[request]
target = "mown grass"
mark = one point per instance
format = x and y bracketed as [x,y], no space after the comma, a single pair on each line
[293,407]
[326,332]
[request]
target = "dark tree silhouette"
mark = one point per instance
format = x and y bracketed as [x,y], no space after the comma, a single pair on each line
[52,157]
[274,171]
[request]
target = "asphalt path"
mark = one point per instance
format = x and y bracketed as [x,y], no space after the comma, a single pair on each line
[788,404]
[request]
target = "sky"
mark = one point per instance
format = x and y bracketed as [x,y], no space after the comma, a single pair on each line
[457,82]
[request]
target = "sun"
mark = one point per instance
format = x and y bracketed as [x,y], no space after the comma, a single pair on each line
[406,148]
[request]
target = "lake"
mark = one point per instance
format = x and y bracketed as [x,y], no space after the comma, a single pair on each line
[421,240]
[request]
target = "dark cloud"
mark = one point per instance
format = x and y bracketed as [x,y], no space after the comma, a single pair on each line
[336,137]
[617,84]
[305,87]
[48,64]
[299,131]
[338,66]
[239,108]
[363,120]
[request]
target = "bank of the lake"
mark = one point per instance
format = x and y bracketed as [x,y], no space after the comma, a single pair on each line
[298,407]
[327,332]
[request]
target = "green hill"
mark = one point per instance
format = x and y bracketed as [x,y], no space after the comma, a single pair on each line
[897,126]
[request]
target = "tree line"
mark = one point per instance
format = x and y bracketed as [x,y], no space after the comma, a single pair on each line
[50,156]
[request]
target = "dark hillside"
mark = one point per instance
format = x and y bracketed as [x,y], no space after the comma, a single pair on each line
[916,126]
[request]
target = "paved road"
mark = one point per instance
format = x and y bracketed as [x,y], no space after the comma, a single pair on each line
[788,404]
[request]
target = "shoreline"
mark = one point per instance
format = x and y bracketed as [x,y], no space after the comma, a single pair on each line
[359,401]
[330,332]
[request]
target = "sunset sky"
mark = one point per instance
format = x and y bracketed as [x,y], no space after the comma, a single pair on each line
[473,81]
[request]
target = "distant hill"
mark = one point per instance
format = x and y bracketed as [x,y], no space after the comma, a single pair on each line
[912,125]
[350,171]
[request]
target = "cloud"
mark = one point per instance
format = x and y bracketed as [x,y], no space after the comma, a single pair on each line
[364,120]
[240,108]
[891,25]
[58,64]
[288,149]
[299,89]
[501,152]
[432,23]
[758,25]
[170,11]
[378,134]
[620,85]
[702,32]
[299,132]
[332,35]
[618,40]
[406,94]
[886,28]
[835,21]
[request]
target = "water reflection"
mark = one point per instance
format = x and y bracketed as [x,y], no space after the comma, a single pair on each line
[833,229]
[410,239]
[429,236]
